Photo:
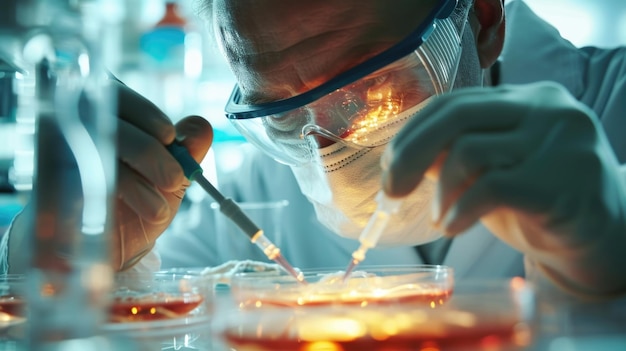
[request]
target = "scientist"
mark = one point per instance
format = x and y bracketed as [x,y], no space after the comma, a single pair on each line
[530,162]
[538,168]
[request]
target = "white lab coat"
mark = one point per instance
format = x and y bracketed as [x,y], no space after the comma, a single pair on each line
[533,51]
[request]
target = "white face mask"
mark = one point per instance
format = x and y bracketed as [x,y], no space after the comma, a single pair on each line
[343,185]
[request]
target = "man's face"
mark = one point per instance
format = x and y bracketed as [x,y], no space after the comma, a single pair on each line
[278,49]
[283,49]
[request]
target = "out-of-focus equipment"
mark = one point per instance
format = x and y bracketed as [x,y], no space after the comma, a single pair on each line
[66,153]
[171,61]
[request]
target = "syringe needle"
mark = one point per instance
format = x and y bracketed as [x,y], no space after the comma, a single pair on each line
[230,209]
[373,230]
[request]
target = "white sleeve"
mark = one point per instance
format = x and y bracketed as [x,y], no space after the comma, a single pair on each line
[4,252]
[4,245]
[149,263]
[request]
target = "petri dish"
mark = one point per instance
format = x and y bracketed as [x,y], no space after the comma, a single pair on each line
[480,315]
[161,310]
[151,303]
[12,303]
[422,284]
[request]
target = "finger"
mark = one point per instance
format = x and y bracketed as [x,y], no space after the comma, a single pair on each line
[148,157]
[520,187]
[196,134]
[133,238]
[142,113]
[141,196]
[417,145]
[473,155]
[483,196]
[514,188]
[434,170]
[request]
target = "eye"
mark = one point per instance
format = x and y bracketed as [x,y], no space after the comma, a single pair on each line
[289,121]
[379,79]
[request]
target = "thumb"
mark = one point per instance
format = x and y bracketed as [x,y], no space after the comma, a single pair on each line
[196,134]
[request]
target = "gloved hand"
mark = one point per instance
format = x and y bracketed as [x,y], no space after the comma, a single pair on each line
[151,183]
[534,165]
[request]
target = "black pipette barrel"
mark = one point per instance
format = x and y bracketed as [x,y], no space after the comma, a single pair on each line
[228,207]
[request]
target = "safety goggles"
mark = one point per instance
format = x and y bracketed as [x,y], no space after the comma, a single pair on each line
[356,107]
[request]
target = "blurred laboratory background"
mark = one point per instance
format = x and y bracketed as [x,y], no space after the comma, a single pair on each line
[599,22]
[191,78]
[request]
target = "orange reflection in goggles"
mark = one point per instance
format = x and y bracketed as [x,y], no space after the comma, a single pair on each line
[383,104]
[354,112]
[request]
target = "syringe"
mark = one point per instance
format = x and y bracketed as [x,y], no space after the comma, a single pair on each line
[373,230]
[228,207]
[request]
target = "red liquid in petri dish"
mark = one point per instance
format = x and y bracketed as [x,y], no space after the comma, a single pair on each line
[12,305]
[125,309]
[150,308]
[487,339]
[498,335]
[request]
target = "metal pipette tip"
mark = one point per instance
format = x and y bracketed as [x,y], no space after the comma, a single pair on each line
[351,266]
[273,253]
[357,257]
[228,207]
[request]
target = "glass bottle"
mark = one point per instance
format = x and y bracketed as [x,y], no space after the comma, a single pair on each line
[171,62]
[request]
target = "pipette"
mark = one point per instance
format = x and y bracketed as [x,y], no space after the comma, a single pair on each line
[373,230]
[228,207]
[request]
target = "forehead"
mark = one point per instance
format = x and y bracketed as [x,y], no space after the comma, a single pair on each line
[279,48]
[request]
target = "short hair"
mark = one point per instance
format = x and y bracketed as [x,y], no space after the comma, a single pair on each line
[204,10]
[204,7]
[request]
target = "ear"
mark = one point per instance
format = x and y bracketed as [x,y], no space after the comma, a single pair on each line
[490,34]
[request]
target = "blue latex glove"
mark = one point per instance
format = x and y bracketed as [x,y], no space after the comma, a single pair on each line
[534,165]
